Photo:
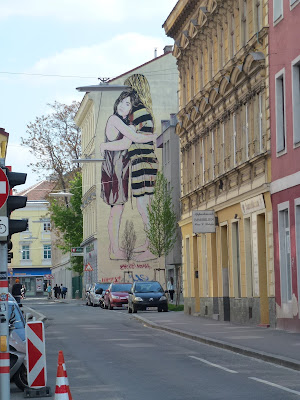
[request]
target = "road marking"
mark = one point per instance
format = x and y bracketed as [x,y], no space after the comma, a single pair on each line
[275,385]
[214,365]
[244,337]
[118,339]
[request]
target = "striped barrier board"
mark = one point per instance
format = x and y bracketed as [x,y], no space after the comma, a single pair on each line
[36,354]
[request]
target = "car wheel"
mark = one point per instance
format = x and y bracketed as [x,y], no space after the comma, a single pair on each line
[129,310]
[159,309]
[110,306]
[134,309]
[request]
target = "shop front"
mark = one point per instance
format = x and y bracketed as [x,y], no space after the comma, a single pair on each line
[34,279]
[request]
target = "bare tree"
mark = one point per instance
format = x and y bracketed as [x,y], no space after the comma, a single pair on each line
[128,240]
[54,140]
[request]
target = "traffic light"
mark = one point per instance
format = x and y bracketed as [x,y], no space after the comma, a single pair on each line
[15,202]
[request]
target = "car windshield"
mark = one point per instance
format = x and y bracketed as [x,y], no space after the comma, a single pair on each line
[148,287]
[103,286]
[125,287]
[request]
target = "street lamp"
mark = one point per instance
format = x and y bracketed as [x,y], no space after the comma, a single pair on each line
[60,194]
[103,87]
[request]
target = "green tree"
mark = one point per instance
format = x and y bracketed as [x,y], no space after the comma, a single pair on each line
[67,219]
[161,231]
[128,240]
[54,140]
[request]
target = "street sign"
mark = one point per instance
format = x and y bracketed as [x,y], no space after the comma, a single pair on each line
[4,188]
[47,277]
[204,221]
[77,251]
[88,267]
[36,354]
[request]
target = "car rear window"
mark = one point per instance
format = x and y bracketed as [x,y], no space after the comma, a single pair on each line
[148,287]
[121,287]
[103,286]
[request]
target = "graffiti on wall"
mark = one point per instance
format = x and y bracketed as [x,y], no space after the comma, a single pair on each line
[130,163]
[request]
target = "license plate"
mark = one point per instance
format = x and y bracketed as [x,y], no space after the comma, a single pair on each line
[151,308]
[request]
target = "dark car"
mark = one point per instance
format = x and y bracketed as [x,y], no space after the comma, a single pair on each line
[148,295]
[116,295]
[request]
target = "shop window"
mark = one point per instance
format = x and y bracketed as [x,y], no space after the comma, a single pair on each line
[285,253]
[297,225]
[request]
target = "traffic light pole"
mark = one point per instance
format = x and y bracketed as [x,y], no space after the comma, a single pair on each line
[4,329]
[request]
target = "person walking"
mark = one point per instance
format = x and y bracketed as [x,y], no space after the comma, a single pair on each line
[64,292]
[16,290]
[170,287]
[49,291]
[56,289]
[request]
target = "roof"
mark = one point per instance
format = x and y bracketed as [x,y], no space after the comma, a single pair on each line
[39,191]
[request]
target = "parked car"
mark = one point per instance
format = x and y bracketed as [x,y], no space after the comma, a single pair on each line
[148,295]
[116,295]
[95,293]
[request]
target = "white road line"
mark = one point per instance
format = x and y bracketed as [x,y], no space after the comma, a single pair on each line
[214,365]
[275,385]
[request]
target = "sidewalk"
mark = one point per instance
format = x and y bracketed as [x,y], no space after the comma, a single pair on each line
[272,345]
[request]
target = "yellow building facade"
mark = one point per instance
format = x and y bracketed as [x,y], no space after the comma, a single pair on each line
[221,49]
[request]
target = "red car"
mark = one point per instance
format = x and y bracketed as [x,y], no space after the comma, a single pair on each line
[116,295]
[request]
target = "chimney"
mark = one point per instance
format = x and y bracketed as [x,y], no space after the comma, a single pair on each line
[155,52]
[168,49]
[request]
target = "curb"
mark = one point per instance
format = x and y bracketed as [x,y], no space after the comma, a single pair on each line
[39,316]
[246,351]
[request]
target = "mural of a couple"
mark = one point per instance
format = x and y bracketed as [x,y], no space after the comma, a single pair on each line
[130,165]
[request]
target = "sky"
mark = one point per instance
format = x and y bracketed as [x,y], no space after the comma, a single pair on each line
[50,47]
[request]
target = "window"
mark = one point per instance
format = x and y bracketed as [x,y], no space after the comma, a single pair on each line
[244,23]
[221,48]
[280,111]
[236,259]
[260,122]
[202,70]
[246,131]
[285,253]
[47,226]
[212,155]
[211,59]
[203,162]
[293,1]
[47,251]
[188,266]
[277,9]
[258,16]
[232,34]
[25,252]
[296,99]
[297,225]
[234,139]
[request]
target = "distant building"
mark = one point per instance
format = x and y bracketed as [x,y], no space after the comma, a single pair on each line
[120,188]
[32,250]
[284,60]
[168,141]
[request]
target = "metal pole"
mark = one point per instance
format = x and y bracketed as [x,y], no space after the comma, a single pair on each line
[4,330]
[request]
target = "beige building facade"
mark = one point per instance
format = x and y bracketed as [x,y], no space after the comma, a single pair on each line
[105,211]
[221,49]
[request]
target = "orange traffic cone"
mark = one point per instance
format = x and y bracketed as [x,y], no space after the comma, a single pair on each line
[62,389]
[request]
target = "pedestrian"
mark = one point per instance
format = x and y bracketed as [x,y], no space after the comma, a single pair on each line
[64,292]
[16,290]
[56,289]
[170,287]
[49,290]
[23,291]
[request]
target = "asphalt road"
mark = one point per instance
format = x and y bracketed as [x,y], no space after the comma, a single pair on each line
[109,355]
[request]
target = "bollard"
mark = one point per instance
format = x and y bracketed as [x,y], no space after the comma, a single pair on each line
[77,294]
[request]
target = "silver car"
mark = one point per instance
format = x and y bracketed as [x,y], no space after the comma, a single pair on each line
[95,293]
